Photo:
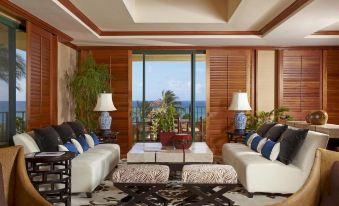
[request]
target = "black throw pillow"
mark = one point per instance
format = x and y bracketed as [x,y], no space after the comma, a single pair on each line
[65,131]
[332,198]
[263,129]
[275,132]
[47,139]
[290,142]
[77,127]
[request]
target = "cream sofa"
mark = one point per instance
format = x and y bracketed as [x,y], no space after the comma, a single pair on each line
[88,168]
[258,174]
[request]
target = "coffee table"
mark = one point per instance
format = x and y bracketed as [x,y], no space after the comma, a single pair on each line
[199,152]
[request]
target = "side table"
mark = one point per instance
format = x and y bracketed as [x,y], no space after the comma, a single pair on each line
[51,176]
[234,136]
[108,136]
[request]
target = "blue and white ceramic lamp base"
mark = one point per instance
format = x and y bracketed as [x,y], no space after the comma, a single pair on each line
[240,121]
[105,121]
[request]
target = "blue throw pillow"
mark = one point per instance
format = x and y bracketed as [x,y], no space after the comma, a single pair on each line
[95,138]
[247,137]
[83,143]
[255,143]
[70,146]
[271,150]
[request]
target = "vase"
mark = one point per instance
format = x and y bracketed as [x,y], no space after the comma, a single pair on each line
[318,117]
[182,141]
[166,138]
[307,118]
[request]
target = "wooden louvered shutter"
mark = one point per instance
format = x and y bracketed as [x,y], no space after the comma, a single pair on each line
[331,77]
[228,71]
[41,78]
[300,80]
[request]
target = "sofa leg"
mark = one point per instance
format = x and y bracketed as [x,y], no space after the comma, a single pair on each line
[88,194]
[249,194]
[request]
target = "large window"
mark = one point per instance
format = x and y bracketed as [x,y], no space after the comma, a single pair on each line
[12,80]
[167,76]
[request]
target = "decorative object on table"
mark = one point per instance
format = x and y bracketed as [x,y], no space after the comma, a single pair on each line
[60,166]
[254,121]
[182,141]
[307,118]
[104,105]
[240,104]
[318,117]
[163,123]
[85,84]
[107,136]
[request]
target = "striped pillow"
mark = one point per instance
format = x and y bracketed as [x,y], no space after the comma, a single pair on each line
[271,150]
[255,143]
[250,139]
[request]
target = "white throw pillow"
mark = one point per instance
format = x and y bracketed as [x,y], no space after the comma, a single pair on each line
[275,152]
[250,139]
[261,144]
[89,140]
[62,148]
[77,145]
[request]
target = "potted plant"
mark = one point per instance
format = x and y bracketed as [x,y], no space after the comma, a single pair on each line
[163,123]
[85,84]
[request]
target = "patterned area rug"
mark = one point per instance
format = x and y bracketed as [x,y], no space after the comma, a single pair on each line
[108,195]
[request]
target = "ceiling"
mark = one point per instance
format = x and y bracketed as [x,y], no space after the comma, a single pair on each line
[191,22]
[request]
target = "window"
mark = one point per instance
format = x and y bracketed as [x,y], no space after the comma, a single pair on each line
[167,76]
[12,80]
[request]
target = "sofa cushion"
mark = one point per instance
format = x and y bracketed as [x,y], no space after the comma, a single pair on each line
[27,142]
[77,127]
[47,139]
[271,150]
[275,132]
[83,143]
[77,145]
[332,198]
[65,131]
[290,143]
[263,129]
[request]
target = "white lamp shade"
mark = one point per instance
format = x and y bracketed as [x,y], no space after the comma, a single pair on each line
[240,102]
[105,103]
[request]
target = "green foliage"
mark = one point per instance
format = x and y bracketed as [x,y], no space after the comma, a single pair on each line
[20,125]
[162,119]
[169,98]
[255,121]
[85,85]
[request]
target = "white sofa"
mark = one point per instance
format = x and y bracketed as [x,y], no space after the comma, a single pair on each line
[89,169]
[258,174]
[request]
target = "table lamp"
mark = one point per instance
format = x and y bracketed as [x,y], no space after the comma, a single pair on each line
[104,105]
[240,104]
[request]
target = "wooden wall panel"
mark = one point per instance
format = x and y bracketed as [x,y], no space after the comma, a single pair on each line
[300,81]
[228,71]
[331,85]
[41,78]
[119,62]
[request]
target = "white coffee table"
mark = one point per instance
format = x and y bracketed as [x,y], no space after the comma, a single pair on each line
[199,152]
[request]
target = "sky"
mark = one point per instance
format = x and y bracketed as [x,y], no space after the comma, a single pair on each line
[20,95]
[168,75]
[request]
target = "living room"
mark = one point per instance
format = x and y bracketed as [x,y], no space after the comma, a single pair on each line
[158,102]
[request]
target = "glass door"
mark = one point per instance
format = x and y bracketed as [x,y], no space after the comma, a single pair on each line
[172,79]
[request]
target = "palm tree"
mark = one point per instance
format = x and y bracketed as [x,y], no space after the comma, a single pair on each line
[4,65]
[169,98]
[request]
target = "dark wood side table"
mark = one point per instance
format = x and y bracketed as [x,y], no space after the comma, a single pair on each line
[234,136]
[108,136]
[51,176]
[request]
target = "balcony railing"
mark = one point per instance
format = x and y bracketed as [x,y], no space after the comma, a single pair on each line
[4,126]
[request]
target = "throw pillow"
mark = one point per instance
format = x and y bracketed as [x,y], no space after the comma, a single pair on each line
[271,150]
[62,148]
[275,132]
[250,139]
[263,129]
[248,135]
[89,140]
[47,139]
[83,143]
[95,138]
[77,146]
[65,131]
[77,127]
[290,143]
[255,143]
[70,147]
[261,144]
